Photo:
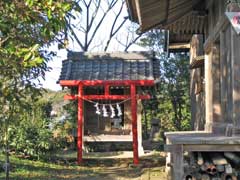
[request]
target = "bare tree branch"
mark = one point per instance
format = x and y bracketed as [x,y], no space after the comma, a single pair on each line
[97,45]
[75,36]
[80,28]
[132,42]
[84,2]
[121,43]
[87,28]
[3,40]
[112,32]
[112,4]
[96,29]
[89,4]
[119,27]
[94,14]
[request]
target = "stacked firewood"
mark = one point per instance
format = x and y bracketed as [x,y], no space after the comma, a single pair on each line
[212,166]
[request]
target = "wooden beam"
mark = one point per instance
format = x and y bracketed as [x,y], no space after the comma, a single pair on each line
[108,138]
[211,147]
[80,125]
[70,97]
[134,124]
[200,13]
[138,10]
[69,82]
[197,62]
[107,82]
[144,97]
[203,147]
[174,46]
[106,97]
[131,6]
[167,3]
[115,97]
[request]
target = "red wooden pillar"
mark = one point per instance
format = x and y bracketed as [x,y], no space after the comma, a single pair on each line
[80,125]
[134,124]
[107,90]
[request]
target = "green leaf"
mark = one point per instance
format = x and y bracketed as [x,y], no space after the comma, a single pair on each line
[49,14]
[50,2]
[35,47]
[38,60]
[27,56]
[29,3]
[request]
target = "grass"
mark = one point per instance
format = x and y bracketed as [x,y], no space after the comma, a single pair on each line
[26,169]
[93,169]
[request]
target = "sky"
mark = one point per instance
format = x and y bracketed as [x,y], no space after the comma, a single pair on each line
[52,76]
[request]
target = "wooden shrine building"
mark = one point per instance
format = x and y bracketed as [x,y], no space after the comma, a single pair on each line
[110,87]
[203,28]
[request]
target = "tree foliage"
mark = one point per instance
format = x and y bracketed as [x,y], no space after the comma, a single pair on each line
[171,97]
[27,28]
[31,135]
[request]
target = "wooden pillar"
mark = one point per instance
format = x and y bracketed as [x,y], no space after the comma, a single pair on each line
[134,124]
[208,92]
[178,165]
[174,161]
[169,162]
[224,77]
[196,89]
[218,126]
[235,54]
[107,90]
[139,127]
[80,125]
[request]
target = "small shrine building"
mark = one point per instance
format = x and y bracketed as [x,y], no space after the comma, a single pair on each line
[109,89]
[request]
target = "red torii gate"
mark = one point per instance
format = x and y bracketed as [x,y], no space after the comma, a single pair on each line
[106,83]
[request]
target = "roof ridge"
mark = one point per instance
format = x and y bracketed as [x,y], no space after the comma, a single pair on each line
[134,55]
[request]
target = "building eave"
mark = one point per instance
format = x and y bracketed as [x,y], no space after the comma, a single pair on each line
[131,7]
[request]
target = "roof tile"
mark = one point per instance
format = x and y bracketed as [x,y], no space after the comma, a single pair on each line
[115,66]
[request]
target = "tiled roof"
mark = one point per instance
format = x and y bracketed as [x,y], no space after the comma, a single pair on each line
[110,66]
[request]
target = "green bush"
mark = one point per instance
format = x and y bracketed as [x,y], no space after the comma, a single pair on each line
[32,138]
[38,135]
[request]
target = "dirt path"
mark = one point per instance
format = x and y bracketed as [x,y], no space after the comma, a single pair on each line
[131,174]
[119,167]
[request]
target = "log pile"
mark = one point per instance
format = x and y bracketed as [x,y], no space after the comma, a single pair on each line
[212,166]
